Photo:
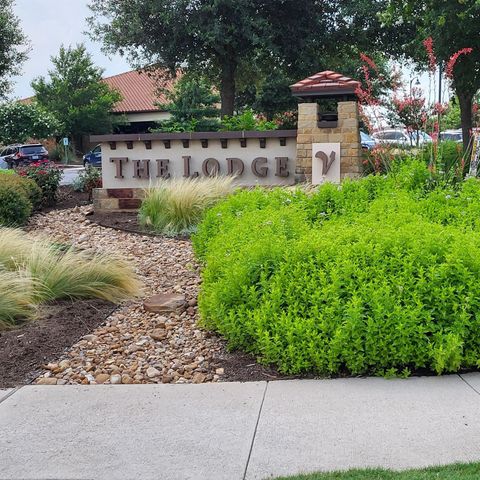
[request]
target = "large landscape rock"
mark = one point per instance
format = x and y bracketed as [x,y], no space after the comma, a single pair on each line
[165,303]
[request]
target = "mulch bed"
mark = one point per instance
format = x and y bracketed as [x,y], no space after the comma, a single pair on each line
[68,198]
[24,350]
[242,367]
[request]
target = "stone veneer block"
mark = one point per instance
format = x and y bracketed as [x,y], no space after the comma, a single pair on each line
[99,193]
[139,193]
[106,204]
[129,203]
[120,192]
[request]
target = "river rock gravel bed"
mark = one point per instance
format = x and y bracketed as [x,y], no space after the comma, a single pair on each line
[135,346]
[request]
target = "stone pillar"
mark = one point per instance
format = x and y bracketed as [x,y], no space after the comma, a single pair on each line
[346,133]
[307,125]
[350,144]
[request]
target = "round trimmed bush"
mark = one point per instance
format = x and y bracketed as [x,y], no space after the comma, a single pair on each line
[15,206]
[28,186]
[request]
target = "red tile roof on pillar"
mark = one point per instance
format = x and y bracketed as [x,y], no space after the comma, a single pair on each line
[325,83]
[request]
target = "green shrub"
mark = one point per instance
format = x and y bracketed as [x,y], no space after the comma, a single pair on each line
[47,176]
[223,215]
[87,180]
[247,120]
[26,185]
[15,206]
[175,207]
[378,276]
[58,153]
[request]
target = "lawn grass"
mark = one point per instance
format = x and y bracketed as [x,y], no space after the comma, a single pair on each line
[468,471]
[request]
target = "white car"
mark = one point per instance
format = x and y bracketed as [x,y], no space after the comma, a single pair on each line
[401,137]
[3,164]
[452,135]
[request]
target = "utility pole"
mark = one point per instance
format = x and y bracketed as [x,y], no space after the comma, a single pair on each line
[439,96]
[440,83]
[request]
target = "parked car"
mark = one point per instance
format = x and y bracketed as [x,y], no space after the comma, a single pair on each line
[93,158]
[453,135]
[18,155]
[401,137]
[367,141]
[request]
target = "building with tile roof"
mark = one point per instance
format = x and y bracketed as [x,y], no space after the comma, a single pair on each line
[141,95]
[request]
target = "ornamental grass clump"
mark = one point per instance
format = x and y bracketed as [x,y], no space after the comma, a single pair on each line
[14,247]
[71,274]
[378,276]
[16,299]
[35,271]
[175,207]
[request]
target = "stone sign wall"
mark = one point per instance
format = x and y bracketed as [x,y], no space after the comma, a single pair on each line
[318,152]
[255,158]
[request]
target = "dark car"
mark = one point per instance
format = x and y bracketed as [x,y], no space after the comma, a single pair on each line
[20,155]
[93,158]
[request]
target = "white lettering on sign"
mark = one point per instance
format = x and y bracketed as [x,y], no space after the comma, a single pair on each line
[325,163]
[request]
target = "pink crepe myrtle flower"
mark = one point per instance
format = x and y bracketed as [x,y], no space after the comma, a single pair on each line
[368,61]
[440,108]
[432,59]
[453,60]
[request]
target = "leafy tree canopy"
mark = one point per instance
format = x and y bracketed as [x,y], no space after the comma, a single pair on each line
[21,122]
[75,94]
[193,104]
[224,38]
[13,45]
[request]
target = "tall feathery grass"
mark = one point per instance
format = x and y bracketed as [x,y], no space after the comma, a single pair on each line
[16,298]
[175,207]
[34,271]
[71,274]
[15,246]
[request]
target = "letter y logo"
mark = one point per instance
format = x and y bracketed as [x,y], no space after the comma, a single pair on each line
[326,162]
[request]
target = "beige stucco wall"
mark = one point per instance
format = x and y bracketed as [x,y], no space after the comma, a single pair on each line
[346,133]
[147,117]
[198,155]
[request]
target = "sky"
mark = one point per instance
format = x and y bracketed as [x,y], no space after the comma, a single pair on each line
[49,24]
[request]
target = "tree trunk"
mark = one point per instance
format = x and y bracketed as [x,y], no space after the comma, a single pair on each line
[466,101]
[227,88]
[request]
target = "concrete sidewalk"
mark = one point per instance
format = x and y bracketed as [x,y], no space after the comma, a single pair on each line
[235,431]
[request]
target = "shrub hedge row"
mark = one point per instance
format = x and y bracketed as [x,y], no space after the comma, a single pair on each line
[378,276]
